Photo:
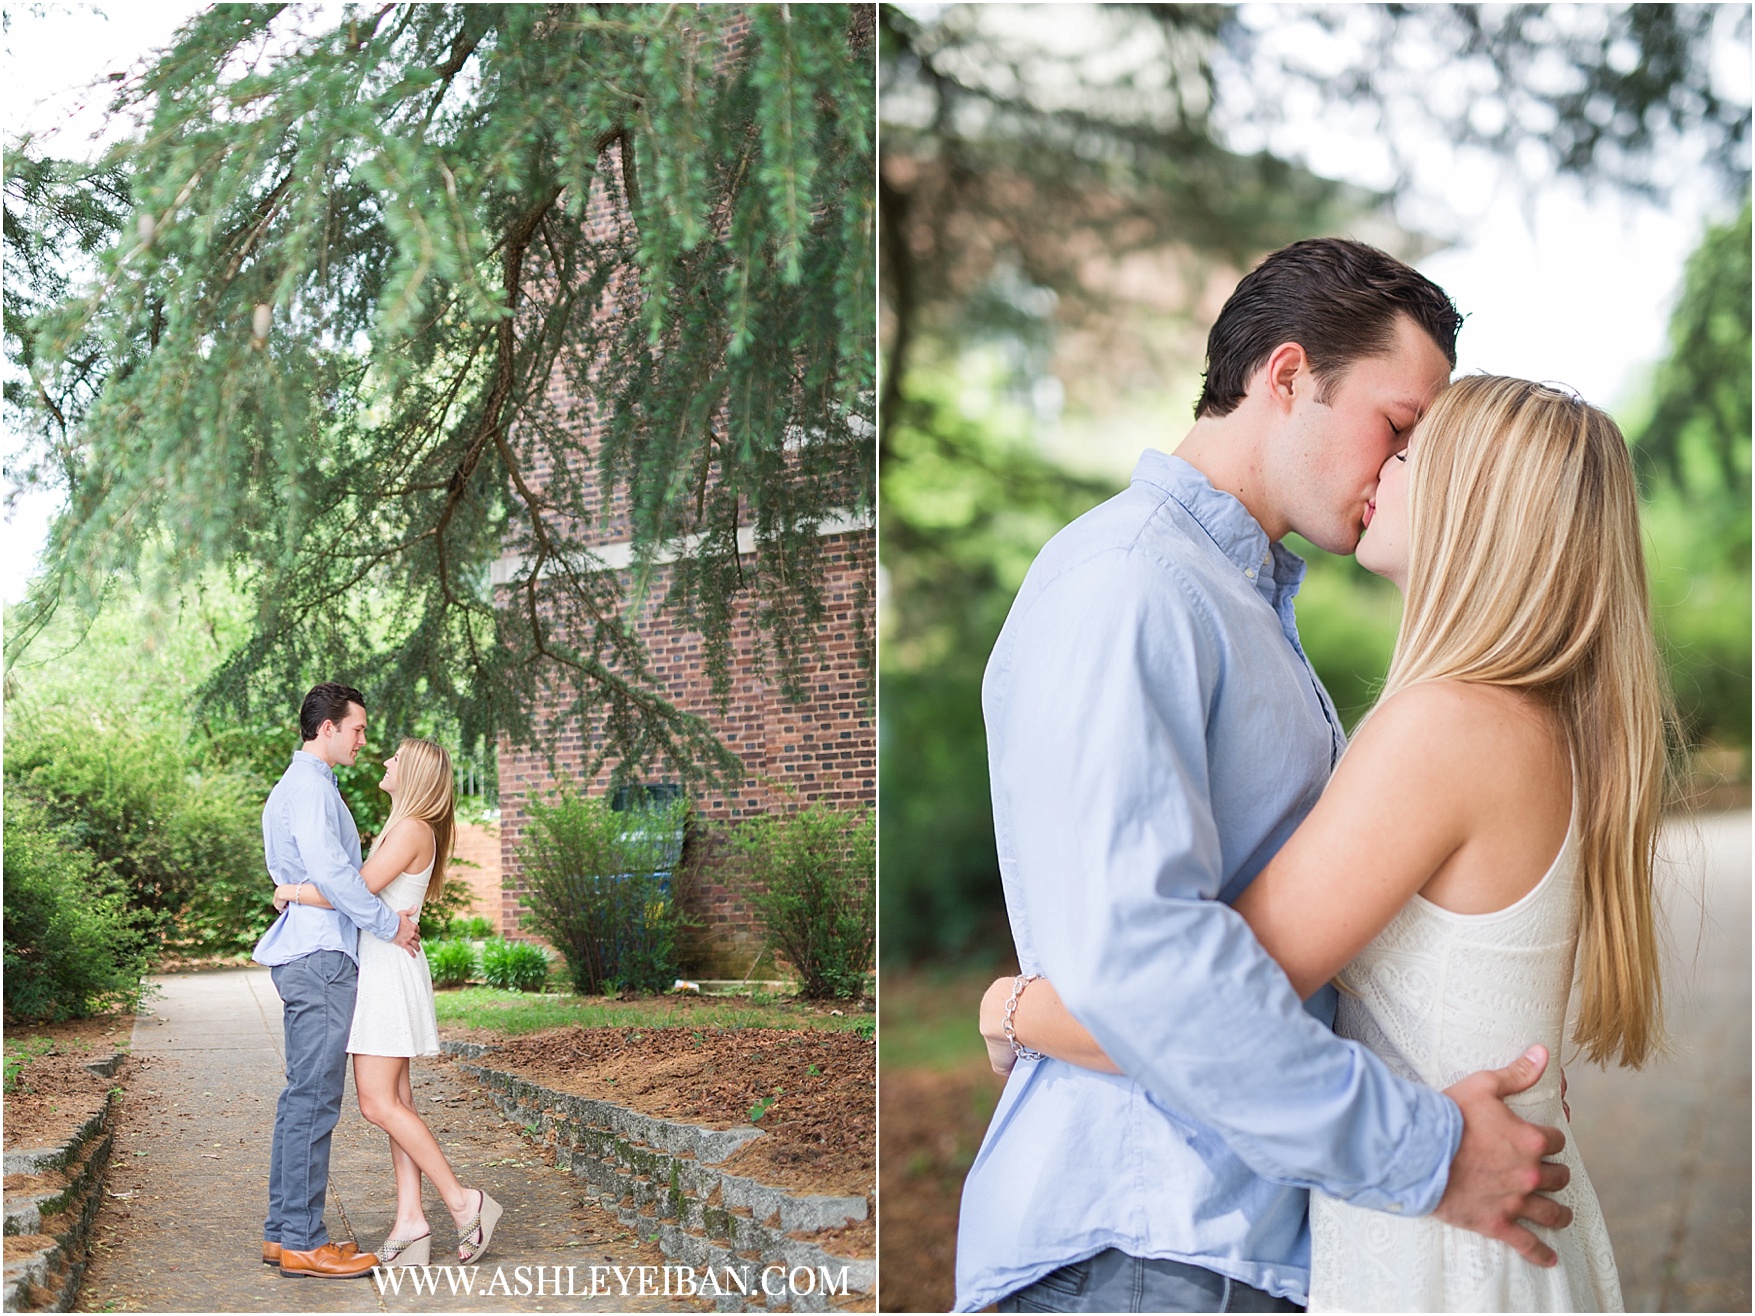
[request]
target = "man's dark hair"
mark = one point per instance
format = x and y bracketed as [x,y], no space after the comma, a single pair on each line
[1336,298]
[326,703]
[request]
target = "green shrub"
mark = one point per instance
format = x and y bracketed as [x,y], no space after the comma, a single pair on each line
[601,888]
[72,946]
[452,963]
[1704,636]
[812,876]
[185,845]
[439,918]
[515,966]
[476,928]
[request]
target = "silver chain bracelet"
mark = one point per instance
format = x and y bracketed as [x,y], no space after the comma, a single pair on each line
[1019,1050]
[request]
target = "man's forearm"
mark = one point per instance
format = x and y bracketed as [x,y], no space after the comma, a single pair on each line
[1298,1104]
[348,893]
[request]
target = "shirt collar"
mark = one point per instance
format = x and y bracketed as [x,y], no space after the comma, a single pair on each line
[319,764]
[1238,535]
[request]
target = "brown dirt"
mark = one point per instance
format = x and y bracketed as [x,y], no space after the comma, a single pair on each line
[932,1125]
[55,1093]
[821,1126]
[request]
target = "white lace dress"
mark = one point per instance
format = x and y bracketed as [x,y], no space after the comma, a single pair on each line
[393,1013]
[1440,995]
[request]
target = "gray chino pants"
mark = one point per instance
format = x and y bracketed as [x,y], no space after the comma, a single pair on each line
[317,992]
[1114,1281]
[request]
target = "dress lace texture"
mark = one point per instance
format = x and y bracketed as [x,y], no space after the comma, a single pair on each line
[1440,995]
[393,1013]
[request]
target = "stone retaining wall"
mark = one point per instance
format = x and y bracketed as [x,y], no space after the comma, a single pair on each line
[52,1195]
[661,1177]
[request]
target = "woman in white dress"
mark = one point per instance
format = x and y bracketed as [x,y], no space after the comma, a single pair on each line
[1489,831]
[393,1016]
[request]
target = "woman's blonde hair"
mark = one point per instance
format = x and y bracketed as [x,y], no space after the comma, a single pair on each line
[424,791]
[1526,570]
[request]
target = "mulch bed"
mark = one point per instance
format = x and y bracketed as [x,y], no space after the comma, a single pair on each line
[821,1126]
[55,1093]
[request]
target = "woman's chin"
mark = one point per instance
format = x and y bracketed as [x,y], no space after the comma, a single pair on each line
[1389,571]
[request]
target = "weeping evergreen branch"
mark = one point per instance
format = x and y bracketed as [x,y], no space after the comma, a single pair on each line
[373,305]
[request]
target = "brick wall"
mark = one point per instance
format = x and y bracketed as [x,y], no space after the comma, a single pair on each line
[478,846]
[824,748]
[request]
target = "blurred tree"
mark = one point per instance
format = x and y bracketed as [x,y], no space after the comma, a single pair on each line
[1693,453]
[1033,168]
[1697,437]
[1622,94]
[1006,155]
[346,264]
[967,503]
[1007,137]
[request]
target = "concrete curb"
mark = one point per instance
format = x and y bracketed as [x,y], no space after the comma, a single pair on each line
[660,1177]
[48,1224]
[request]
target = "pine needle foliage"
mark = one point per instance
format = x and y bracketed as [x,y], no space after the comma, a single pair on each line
[372,282]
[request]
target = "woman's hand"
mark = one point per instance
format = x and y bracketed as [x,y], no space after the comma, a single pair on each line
[282,898]
[999,1048]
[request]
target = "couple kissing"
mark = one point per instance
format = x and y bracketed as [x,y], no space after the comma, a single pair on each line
[1287,1027]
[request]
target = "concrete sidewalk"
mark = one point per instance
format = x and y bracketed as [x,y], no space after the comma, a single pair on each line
[1668,1146]
[181,1227]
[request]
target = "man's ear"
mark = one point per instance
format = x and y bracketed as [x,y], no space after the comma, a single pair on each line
[1288,370]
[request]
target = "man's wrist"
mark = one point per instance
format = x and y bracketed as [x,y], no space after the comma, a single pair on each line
[1450,1139]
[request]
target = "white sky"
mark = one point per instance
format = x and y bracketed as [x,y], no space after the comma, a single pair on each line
[1577,291]
[1580,294]
[50,62]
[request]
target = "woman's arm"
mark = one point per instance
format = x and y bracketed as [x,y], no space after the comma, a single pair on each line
[406,847]
[1401,803]
[1042,1023]
[1421,777]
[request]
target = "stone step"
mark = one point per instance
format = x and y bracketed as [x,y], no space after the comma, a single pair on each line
[51,1197]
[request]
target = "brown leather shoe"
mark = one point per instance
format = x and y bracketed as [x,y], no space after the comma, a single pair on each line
[271,1250]
[327,1262]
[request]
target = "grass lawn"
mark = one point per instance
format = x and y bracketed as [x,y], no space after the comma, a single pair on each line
[525,1012]
[929,1017]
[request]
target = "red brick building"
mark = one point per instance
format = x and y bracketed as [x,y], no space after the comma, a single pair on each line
[823,748]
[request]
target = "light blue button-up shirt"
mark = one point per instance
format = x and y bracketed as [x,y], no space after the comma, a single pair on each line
[1155,733]
[308,835]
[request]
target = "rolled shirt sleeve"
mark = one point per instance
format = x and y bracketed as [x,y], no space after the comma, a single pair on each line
[316,824]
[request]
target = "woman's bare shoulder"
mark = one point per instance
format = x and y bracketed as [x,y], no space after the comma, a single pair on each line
[410,837]
[1467,710]
[1483,741]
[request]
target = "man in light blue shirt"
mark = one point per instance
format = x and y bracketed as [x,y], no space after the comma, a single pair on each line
[1155,733]
[310,837]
